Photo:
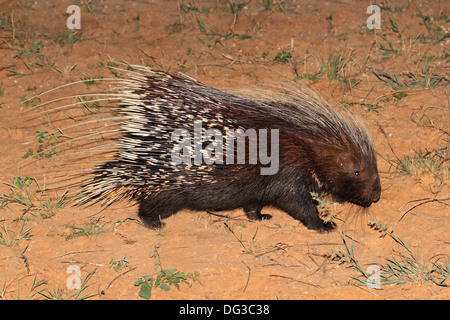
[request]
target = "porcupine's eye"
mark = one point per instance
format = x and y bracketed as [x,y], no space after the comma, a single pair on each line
[356,173]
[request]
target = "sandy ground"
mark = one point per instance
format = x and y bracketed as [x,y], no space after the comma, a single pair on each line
[395,79]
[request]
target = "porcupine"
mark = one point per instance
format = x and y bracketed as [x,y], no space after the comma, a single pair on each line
[320,150]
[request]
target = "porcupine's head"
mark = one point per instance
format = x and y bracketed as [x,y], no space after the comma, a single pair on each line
[349,175]
[342,157]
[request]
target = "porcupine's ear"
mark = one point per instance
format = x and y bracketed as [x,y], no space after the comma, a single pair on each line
[344,159]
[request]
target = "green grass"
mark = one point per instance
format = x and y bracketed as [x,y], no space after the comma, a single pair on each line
[387,52]
[283,57]
[94,227]
[28,194]
[435,31]
[13,233]
[419,163]
[62,292]
[444,57]
[36,287]
[274,5]
[33,50]
[165,279]
[333,70]
[427,78]
[402,267]
[391,79]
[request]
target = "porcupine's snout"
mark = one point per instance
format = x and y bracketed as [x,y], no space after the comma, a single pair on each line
[373,193]
[376,194]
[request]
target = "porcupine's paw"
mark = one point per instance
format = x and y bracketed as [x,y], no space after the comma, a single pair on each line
[253,212]
[314,222]
[152,223]
[327,226]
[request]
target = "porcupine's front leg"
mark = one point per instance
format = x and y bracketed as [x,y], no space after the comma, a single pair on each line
[253,212]
[303,209]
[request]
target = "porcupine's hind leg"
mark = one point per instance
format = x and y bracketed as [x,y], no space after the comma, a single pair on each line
[253,212]
[153,209]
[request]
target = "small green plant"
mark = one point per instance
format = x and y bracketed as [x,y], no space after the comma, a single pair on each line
[403,268]
[92,105]
[313,77]
[10,236]
[427,79]
[445,57]
[69,37]
[190,7]
[89,81]
[32,200]
[46,148]
[435,31]
[146,284]
[387,52]
[89,228]
[272,5]
[112,65]
[399,95]
[267,4]
[6,22]
[51,205]
[372,107]
[229,226]
[119,264]
[19,194]
[339,255]
[34,50]
[283,57]
[236,7]
[391,79]
[349,254]
[164,279]
[421,119]
[333,70]
[421,162]
[94,227]
[324,206]
[33,102]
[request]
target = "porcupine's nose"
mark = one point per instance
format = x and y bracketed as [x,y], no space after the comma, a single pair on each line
[376,191]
